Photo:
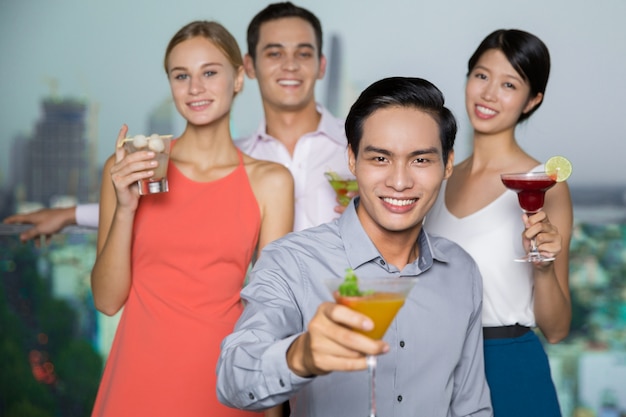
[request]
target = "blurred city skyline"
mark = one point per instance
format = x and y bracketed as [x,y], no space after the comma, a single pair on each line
[110,53]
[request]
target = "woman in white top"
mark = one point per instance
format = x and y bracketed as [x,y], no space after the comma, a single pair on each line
[507,77]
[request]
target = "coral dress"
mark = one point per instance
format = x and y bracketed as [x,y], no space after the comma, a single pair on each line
[190,253]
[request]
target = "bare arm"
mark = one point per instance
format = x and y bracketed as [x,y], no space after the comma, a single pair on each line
[46,222]
[119,198]
[553,311]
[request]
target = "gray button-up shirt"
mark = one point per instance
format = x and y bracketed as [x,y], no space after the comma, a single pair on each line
[435,366]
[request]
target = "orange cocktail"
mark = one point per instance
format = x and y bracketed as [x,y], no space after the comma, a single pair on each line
[380,299]
[381,307]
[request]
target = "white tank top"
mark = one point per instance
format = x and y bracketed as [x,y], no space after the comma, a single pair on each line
[492,236]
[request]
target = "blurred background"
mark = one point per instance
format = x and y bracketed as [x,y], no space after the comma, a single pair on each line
[73,71]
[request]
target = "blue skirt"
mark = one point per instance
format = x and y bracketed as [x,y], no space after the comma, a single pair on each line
[519,378]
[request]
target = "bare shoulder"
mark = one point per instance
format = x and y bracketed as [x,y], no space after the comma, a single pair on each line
[266,174]
[559,195]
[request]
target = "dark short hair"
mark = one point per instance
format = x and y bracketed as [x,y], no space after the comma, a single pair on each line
[279,11]
[528,55]
[402,92]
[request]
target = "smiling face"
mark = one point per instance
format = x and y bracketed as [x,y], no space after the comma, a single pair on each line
[287,63]
[496,95]
[399,170]
[202,80]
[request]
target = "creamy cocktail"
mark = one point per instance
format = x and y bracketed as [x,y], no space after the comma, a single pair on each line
[160,145]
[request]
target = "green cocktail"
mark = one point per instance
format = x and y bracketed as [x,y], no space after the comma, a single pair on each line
[342,187]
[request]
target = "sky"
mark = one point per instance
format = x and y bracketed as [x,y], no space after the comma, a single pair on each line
[110,52]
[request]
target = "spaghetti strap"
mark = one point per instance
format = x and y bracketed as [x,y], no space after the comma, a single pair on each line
[240,155]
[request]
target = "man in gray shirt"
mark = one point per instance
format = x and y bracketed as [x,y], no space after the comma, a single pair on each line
[292,342]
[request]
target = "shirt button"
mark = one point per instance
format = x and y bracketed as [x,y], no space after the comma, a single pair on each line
[280,381]
[399,398]
[382,262]
[401,343]
[251,396]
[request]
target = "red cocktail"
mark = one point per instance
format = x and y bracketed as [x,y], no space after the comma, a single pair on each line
[530,188]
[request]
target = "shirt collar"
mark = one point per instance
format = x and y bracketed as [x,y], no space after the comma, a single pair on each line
[329,126]
[360,249]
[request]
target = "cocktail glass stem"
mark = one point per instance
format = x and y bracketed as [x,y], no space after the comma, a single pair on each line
[534,255]
[371,370]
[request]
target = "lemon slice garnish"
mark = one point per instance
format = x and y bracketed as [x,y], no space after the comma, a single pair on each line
[558,168]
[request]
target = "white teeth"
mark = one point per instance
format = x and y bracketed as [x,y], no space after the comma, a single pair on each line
[199,103]
[289,82]
[396,202]
[485,110]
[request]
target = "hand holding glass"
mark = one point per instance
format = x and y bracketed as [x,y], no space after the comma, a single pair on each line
[381,300]
[160,145]
[530,188]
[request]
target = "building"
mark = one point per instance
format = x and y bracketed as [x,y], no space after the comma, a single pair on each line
[19,170]
[57,155]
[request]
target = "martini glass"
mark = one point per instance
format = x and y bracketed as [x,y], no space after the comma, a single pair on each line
[530,188]
[342,186]
[381,299]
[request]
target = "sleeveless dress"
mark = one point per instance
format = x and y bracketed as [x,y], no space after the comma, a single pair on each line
[517,369]
[190,252]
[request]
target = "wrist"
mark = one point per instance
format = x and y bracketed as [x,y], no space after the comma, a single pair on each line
[544,269]
[69,216]
[295,358]
[124,214]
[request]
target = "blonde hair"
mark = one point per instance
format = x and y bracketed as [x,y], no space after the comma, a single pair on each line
[212,31]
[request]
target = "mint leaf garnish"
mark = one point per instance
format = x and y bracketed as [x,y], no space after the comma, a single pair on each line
[350,286]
